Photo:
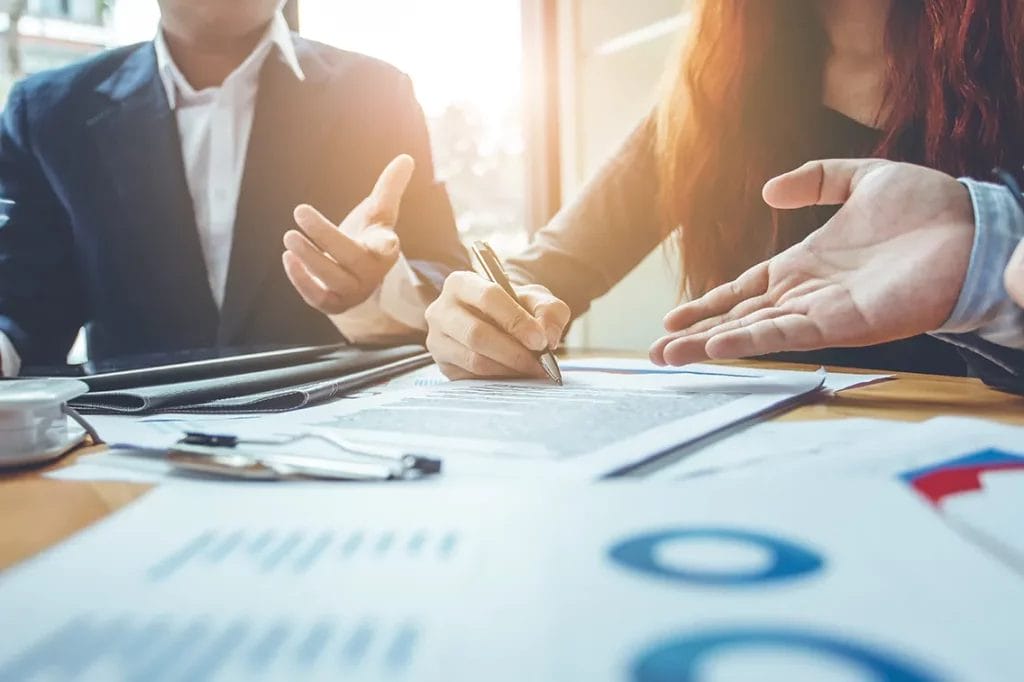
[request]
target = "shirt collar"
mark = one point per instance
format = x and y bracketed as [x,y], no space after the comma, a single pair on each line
[278,35]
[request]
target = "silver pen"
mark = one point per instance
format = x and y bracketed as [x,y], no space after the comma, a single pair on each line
[496,273]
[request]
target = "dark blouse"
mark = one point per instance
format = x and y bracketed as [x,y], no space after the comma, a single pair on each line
[615,222]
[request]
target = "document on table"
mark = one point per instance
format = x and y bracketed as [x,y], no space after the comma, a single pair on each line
[597,424]
[777,442]
[594,425]
[811,579]
[834,381]
[970,471]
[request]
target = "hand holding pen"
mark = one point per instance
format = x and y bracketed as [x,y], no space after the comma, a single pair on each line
[480,329]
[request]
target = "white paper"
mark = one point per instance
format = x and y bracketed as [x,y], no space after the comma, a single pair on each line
[768,443]
[163,430]
[995,514]
[595,425]
[316,582]
[835,381]
[990,518]
[891,453]
[894,582]
[127,465]
[424,376]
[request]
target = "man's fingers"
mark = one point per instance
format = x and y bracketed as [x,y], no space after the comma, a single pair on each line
[327,237]
[380,209]
[791,332]
[739,312]
[720,300]
[360,262]
[382,243]
[386,198]
[490,300]
[817,183]
[676,350]
[332,275]
[683,348]
[311,291]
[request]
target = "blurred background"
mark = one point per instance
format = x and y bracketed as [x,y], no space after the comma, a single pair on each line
[525,100]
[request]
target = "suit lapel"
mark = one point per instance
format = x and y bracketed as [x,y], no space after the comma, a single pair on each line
[136,135]
[288,127]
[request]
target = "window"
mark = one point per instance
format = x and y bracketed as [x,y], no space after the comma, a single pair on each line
[465,59]
[52,8]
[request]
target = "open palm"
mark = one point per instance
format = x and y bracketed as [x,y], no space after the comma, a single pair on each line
[888,265]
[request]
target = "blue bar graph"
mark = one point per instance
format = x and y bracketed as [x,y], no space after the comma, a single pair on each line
[299,551]
[159,648]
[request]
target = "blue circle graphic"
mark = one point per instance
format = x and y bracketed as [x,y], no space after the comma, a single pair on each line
[679,660]
[789,560]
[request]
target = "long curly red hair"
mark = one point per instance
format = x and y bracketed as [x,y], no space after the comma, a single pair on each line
[748,90]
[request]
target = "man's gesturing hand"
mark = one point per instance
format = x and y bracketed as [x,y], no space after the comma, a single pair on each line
[889,265]
[336,268]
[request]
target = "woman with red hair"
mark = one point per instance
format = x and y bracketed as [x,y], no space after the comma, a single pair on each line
[762,87]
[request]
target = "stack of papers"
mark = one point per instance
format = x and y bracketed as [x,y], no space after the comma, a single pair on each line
[600,423]
[809,579]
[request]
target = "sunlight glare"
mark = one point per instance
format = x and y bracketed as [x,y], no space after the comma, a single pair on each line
[454,50]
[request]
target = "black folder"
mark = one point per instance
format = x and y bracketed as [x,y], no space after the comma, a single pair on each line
[306,379]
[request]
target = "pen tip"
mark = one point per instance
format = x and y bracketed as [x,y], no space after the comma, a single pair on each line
[550,365]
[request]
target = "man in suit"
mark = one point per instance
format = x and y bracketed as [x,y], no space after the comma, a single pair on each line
[149,193]
[911,251]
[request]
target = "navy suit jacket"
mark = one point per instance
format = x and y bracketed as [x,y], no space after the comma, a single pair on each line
[102,230]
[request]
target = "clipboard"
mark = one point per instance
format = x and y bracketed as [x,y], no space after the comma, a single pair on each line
[233,457]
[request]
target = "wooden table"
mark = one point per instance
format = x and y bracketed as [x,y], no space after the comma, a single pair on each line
[36,512]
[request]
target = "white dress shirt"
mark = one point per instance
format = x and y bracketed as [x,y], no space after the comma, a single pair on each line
[214,126]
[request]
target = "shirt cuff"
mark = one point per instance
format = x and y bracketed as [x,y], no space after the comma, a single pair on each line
[395,309]
[10,361]
[984,307]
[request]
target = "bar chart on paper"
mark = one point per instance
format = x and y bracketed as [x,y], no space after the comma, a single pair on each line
[598,583]
[303,582]
[298,551]
[162,647]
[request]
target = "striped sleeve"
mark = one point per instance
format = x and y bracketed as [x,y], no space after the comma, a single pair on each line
[984,308]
